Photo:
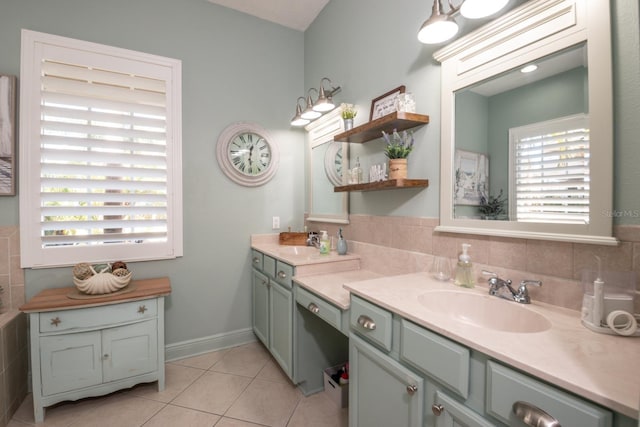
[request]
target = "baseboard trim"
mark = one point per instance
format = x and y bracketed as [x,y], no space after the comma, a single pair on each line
[198,346]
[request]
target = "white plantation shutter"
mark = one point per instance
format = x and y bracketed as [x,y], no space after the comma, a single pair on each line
[550,164]
[103,165]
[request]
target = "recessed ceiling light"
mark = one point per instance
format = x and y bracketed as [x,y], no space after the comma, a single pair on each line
[529,68]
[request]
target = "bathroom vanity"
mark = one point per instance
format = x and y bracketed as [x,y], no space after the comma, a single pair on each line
[82,347]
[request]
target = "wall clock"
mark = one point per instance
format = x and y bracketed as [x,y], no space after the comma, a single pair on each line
[247,154]
[333,163]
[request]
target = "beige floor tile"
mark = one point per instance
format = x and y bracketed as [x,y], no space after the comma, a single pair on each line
[177,379]
[202,361]
[273,372]
[176,416]
[319,410]
[213,392]
[119,410]
[266,402]
[246,360]
[230,422]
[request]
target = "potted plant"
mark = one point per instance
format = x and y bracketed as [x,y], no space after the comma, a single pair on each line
[398,148]
[492,207]
[349,112]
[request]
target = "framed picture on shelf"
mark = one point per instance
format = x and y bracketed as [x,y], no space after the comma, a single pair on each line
[385,103]
[471,177]
[7,135]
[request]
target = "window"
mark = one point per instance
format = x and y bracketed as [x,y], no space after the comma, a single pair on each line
[100,153]
[550,171]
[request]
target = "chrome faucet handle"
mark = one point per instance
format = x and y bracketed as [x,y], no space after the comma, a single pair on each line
[523,293]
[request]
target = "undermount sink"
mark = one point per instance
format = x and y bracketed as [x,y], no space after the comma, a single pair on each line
[484,311]
[298,250]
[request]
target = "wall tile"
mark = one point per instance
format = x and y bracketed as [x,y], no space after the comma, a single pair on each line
[550,258]
[508,253]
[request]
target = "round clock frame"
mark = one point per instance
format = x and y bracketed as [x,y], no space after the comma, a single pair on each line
[333,163]
[230,140]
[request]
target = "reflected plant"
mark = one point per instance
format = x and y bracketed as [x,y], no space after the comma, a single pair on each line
[493,206]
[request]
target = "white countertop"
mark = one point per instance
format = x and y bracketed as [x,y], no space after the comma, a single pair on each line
[301,255]
[330,286]
[601,368]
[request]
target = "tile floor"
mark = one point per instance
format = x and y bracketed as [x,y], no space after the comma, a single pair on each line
[238,387]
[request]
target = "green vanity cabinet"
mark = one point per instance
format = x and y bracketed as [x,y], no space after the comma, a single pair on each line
[382,392]
[273,307]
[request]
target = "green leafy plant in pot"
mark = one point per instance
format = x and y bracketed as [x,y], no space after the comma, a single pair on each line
[348,113]
[397,149]
[492,207]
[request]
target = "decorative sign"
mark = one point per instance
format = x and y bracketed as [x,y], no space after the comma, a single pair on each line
[385,104]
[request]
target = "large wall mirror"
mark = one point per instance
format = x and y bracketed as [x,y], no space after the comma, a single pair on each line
[530,154]
[327,161]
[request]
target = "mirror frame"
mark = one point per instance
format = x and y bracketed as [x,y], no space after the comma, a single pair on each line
[534,30]
[321,132]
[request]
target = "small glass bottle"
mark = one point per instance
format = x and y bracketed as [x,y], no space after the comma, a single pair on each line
[464,269]
[324,243]
[357,171]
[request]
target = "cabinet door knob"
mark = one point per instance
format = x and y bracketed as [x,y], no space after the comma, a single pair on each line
[256,260]
[56,321]
[282,274]
[411,389]
[105,356]
[533,416]
[142,309]
[366,322]
[264,282]
[313,308]
[437,409]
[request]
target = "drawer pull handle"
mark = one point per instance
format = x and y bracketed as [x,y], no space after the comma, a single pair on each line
[56,321]
[313,308]
[411,389]
[366,322]
[533,416]
[282,274]
[437,409]
[256,260]
[105,357]
[142,309]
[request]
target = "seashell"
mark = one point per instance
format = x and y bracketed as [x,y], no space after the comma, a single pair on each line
[120,272]
[118,264]
[102,283]
[82,271]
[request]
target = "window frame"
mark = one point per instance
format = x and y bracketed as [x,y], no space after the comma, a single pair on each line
[33,254]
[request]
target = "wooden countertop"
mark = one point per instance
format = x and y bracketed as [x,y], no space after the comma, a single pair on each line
[57,299]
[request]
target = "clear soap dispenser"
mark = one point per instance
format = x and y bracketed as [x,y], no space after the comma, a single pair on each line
[464,269]
[325,244]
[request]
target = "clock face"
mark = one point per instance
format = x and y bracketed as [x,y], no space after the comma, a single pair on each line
[333,162]
[247,154]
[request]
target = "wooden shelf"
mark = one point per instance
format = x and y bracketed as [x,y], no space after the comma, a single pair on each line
[384,185]
[373,130]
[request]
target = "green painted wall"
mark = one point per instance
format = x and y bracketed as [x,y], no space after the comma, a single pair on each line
[235,68]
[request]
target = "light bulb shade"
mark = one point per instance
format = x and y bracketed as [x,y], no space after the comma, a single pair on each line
[297,120]
[476,9]
[437,30]
[309,113]
[324,102]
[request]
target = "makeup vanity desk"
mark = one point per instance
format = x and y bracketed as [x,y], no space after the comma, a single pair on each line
[84,346]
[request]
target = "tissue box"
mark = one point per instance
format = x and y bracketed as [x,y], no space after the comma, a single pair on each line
[339,393]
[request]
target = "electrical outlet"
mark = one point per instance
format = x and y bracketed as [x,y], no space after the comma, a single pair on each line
[276,223]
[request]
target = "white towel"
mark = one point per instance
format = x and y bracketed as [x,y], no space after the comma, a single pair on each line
[6,128]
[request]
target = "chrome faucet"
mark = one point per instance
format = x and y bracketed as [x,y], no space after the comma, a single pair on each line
[520,296]
[313,239]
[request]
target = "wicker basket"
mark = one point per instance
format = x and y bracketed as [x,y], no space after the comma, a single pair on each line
[102,283]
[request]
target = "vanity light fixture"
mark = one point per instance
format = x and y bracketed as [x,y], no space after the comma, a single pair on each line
[313,110]
[440,27]
[297,119]
[529,68]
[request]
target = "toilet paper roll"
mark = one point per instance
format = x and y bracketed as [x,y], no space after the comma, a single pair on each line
[622,322]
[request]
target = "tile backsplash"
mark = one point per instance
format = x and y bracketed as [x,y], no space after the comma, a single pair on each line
[11,275]
[397,245]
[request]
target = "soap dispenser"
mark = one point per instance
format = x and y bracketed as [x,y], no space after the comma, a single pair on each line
[325,245]
[342,244]
[464,269]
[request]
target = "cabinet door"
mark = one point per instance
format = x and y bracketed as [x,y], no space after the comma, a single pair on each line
[130,350]
[281,326]
[260,284]
[381,391]
[70,362]
[451,413]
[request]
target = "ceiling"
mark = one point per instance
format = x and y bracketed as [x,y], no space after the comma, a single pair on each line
[296,14]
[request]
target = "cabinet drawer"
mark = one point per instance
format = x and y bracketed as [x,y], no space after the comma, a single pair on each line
[327,312]
[284,273]
[370,321]
[95,317]
[269,266]
[436,356]
[506,386]
[257,259]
